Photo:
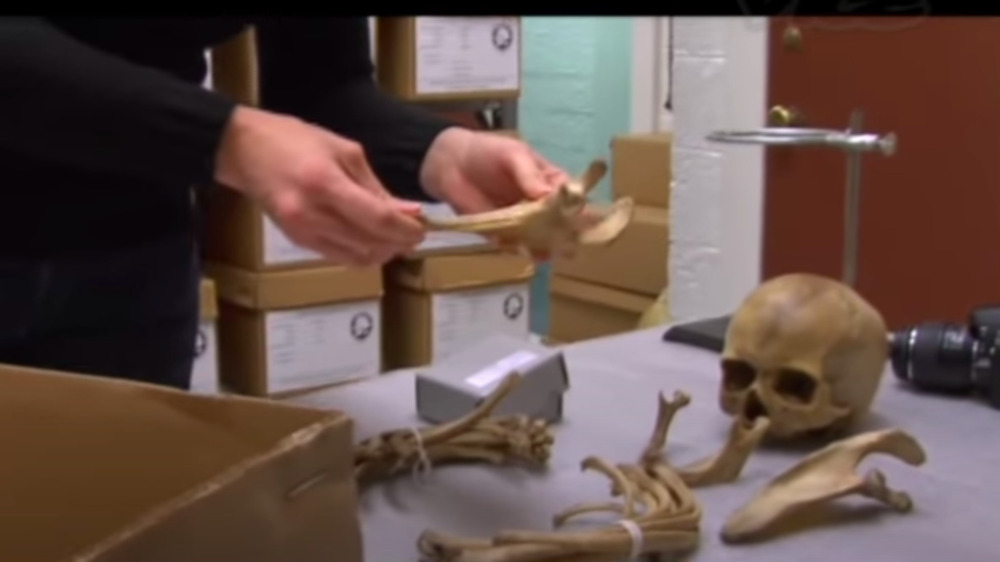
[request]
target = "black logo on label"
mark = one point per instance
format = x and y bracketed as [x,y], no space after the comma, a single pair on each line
[513,306]
[200,343]
[503,36]
[362,326]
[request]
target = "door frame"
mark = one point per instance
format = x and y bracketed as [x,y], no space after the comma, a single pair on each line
[650,75]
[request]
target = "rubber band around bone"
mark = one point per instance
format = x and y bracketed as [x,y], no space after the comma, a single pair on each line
[635,536]
[422,468]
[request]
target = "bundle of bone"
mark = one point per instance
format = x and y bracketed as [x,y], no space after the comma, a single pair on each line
[556,224]
[658,512]
[476,437]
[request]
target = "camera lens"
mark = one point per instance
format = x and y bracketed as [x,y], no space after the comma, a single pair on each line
[935,356]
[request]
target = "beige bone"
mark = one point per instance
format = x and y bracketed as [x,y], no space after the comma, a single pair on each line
[557,224]
[655,498]
[824,476]
[806,352]
[476,437]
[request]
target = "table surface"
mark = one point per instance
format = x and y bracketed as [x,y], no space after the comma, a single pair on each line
[610,410]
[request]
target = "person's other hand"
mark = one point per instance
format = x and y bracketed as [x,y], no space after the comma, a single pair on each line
[317,187]
[479,171]
[476,172]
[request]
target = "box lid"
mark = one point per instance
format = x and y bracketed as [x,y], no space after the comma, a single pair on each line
[454,272]
[294,287]
[480,368]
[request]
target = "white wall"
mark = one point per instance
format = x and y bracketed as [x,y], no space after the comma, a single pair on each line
[718,81]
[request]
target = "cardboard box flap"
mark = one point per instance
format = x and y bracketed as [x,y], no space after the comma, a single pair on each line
[443,273]
[597,294]
[209,300]
[295,287]
[635,261]
[642,168]
[114,471]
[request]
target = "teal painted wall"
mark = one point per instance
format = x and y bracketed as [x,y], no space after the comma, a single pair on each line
[576,96]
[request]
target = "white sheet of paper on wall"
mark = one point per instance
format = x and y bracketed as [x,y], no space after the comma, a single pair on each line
[467,54]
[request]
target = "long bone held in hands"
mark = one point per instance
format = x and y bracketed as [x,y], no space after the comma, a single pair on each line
[824,476]
[556,223]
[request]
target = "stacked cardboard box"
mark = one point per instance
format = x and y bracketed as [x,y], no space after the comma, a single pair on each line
[437,305]
[605,290]
[205,375]
[456,289]
[428,58]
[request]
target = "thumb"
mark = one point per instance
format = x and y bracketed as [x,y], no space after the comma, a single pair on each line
[529,177]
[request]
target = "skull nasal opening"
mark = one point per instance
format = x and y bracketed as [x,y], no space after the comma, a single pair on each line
[753,408]
[795,385]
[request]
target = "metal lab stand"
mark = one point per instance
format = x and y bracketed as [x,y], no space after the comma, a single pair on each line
[710,333]
[853,142]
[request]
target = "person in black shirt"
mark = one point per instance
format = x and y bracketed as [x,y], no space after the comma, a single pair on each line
[105,129]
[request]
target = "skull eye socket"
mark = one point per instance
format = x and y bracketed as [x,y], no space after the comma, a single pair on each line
[737,375]
[796,385]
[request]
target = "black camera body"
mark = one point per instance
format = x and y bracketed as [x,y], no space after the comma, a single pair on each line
[951,358]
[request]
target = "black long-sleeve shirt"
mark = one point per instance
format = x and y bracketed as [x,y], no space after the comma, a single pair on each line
[105,127]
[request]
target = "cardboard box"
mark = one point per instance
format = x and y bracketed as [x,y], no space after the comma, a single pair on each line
[103,470]
[582,311]
[240,234]
[205,375]
[636,261]
[454,387]
[289,331]
[441,304]
[641,168]
[450,58]
[234,68]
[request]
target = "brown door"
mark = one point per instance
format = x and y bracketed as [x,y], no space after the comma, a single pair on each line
[930,214]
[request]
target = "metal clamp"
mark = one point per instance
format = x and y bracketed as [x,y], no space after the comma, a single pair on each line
[794,136]
[852,142]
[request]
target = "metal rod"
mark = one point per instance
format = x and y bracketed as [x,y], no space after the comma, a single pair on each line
[852,205]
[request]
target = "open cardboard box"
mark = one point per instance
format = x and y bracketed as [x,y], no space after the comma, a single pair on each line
[99,470]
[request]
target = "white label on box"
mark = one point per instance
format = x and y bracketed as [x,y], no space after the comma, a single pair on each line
[460,318]
[439,240]
[500,369]
[278,249]
[467,54]
[205,375]
[320,345]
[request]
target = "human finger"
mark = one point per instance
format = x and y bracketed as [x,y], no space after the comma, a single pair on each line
[370,214]
[469,199]
[528,175]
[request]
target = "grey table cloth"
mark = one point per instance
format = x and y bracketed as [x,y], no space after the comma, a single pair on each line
[610,410]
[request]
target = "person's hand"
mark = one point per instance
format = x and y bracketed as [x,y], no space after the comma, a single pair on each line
[478,171]
[317,187]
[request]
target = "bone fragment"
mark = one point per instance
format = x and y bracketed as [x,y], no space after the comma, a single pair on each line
[556,224]
[824,476]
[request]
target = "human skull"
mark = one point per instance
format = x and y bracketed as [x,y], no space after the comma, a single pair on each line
[805,351]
